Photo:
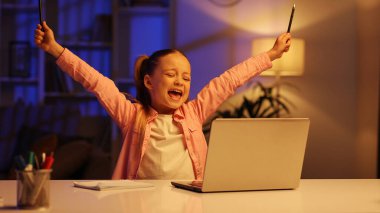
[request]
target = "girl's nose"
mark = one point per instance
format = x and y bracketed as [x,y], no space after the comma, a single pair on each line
[178,81]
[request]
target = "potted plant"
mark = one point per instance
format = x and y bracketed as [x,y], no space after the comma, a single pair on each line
[268,104]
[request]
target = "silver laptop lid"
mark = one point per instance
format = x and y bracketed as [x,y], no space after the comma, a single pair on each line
[255,154]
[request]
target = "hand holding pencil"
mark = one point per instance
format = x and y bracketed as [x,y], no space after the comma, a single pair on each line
[283,41]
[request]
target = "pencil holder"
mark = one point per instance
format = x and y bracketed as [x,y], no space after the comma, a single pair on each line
[33,190]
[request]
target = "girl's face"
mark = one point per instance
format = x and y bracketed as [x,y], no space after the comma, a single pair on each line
[169,85]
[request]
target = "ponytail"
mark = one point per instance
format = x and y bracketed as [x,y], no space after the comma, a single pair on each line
[141,66]
[140,70]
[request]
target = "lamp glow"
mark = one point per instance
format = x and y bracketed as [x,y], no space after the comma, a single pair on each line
[290,64]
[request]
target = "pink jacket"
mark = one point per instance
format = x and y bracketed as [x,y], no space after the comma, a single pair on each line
[190,115]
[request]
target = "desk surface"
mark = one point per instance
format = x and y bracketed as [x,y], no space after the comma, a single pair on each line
[312,196]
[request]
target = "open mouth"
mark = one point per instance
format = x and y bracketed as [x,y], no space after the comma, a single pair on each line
[175,94]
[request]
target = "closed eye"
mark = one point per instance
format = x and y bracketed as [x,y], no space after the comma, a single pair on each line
[170,74]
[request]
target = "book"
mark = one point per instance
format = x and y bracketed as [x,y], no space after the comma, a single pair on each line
[61,81]
[102,30]
[111,184]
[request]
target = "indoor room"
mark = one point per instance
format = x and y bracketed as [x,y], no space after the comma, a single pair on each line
[325,76]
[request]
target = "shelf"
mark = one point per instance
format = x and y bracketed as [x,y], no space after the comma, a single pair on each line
[110,52]
[144,10]
[129,81]
[19,7]
[15,80]
[87,44]
[62,95]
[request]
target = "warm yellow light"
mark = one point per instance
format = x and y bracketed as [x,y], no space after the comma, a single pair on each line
[290,64]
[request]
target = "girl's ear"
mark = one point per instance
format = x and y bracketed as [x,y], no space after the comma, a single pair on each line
[148,82]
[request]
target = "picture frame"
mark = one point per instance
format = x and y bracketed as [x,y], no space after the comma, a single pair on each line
[19,59]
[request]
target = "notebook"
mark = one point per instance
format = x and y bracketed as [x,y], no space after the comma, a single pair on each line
[253,154]
[111,184]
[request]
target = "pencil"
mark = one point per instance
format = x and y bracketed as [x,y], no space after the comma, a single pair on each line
[40,13]
[291,18]
[40,10]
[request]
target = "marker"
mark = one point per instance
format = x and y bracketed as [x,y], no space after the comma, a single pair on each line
[37,162]
[48,162]
[20,162]
[29,166]
[43,157]
[31,158]
[291,18]
[28,171]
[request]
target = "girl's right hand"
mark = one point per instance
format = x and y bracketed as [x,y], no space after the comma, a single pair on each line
[46,41]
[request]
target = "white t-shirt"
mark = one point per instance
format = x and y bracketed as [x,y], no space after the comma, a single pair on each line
[166,156]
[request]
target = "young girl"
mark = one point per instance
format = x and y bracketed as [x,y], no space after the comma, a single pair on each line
[162,132]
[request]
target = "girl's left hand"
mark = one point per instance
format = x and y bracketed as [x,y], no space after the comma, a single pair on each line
[281,45]
[46,41]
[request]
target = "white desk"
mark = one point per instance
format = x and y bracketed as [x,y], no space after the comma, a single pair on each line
[318,196]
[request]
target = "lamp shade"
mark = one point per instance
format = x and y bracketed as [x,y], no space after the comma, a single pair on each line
[290,64]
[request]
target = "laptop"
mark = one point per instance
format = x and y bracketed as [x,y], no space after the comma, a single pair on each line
[253,154]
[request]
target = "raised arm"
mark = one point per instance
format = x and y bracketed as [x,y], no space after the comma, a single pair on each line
[120,109]
[222,87]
